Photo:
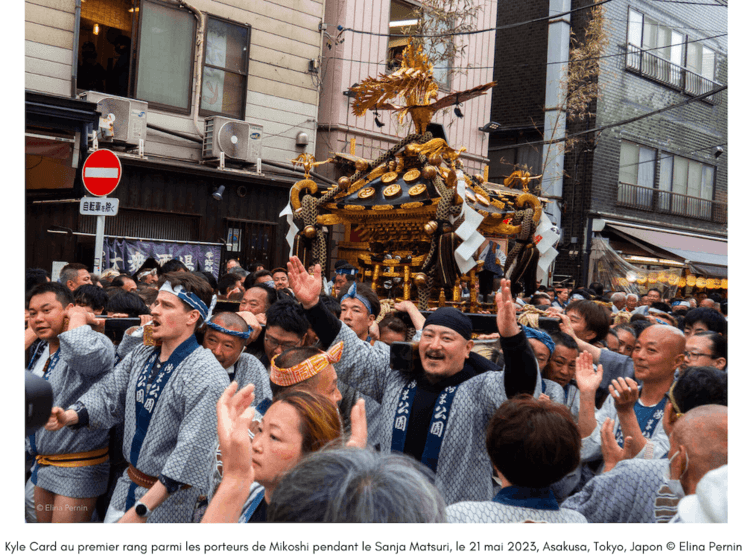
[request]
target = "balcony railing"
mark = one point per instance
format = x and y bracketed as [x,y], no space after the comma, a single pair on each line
[664,71]
[667,202]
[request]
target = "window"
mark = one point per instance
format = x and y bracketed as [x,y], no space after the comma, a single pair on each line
[138,48]
[666,55]
[165,58]
[636,176]
[506,161]
[686,187]
[701,63]
[146,48]
[224,81]
[404,20]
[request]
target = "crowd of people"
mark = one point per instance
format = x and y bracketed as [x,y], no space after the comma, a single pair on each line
[303,399]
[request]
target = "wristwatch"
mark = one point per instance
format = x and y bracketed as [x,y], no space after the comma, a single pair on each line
[142,510]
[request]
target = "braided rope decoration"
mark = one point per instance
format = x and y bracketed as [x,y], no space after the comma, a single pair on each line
[521,253]
[524,235]
[530,316]
[423,294]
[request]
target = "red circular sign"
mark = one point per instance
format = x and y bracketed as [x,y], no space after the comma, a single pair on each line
[101,172]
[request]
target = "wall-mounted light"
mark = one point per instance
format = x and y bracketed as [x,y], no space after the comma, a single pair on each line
[718,151]
[491,127]
[217,194]
[96,29]
[349,93]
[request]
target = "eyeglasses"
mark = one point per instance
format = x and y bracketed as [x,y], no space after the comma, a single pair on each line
[696,355]
[274,343]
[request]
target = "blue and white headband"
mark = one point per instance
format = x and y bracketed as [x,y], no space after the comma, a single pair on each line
[352,293]
[220,329]
[540,336]
[191,299]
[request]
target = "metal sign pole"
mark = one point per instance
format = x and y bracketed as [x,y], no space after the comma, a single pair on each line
[98,249]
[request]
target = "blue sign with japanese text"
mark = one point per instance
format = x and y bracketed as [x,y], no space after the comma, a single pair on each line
[129,255]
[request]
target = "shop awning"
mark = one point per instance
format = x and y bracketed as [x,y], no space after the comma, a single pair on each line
[712,271]
[692,249]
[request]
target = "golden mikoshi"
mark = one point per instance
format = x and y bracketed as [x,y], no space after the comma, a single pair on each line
[396,210]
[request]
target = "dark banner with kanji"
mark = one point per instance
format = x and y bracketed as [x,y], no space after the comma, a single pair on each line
[129,255]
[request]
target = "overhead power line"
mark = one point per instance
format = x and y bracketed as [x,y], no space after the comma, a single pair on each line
[475,32]
[615,124]
[641,51]
[689,3]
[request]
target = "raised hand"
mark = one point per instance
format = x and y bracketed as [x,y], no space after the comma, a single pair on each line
[625,393]
[80,316]
[252,322]
[234,416]
[404,305]
[358,419]
[612,451]
[506,314]
[588,380]
[306,286]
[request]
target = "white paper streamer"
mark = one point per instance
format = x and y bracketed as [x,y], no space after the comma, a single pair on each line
[545,239]
[464,253]
[467,231]
[287,211]
[545,262]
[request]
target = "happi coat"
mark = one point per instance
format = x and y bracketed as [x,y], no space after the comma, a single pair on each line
[627,493]
[464,471]
[514,504]
[84,358]
[248,370]
[568,396]
[179,441]
[657,445]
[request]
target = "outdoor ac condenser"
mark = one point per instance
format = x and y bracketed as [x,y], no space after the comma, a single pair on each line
[239,140]
[126,118]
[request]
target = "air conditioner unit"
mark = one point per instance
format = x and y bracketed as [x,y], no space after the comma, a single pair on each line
[126,118]
[239,140]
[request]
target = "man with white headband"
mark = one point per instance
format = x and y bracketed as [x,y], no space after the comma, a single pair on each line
[165,391]
[226,335]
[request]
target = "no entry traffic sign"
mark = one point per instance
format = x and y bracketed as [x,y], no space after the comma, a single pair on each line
[102,171]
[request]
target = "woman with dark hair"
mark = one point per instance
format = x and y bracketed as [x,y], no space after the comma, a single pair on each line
[531,444]
[626,335]
[296,424]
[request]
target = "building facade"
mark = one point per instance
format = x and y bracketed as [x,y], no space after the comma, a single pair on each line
[650,171]
[243,74]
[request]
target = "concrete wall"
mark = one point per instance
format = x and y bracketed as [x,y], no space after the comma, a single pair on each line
[282,95]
